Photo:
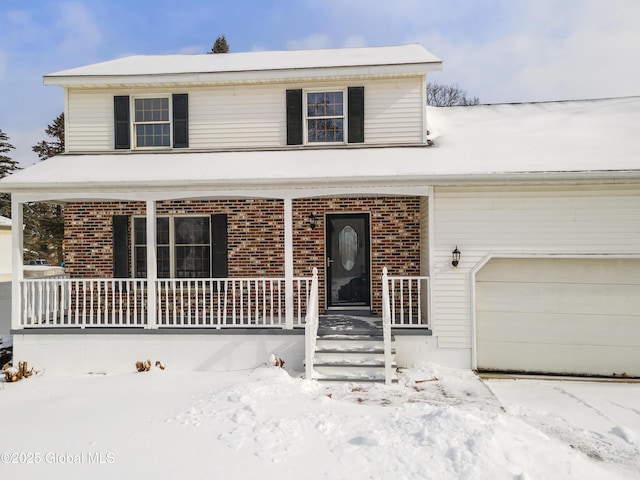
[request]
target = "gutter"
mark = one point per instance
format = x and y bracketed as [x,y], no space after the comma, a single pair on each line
[473,179]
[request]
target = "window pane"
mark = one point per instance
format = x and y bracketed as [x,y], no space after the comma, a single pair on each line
[141,262]
[192,262]
[192,231]
[326,104]
[162,233]
[140,231]
[164,262]
[152,135]
[325,130]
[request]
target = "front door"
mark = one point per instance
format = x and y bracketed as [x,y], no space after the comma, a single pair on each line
[348,273]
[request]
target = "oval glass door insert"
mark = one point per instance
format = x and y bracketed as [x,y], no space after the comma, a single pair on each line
[348,247]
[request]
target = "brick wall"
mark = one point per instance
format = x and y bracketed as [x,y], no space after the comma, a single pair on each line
[256,235]
[395,237]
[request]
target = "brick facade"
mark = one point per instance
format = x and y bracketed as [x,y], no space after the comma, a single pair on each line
[394,231]
[256,235]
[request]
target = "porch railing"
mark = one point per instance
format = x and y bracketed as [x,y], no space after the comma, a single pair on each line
[88,302]
[311,325]
[408,300]
[229,302]
[64,302]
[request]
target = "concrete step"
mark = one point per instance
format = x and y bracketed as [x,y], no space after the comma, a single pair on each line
[352,358]
[361,345]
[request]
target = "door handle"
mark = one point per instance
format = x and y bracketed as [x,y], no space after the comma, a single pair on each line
[329,261]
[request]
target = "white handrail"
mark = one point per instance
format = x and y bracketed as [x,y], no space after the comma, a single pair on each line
[408,301]
[187,302]
[62,302]
[386,327]
[311,325]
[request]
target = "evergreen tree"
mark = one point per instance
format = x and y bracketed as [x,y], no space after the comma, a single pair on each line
[7,166]
[44,222]
[52,148]
[220,45]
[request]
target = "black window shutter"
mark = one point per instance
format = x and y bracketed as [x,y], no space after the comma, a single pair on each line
[219,268]
[294,117]
[121,122]
[180,120]
[356,114]
[120,225]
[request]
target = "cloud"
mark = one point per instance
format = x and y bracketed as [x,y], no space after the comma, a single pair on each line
[313,41]
[355,41]
[79,29]
[553,50]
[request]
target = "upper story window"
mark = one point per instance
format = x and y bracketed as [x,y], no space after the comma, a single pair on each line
[151,122]
[325,117]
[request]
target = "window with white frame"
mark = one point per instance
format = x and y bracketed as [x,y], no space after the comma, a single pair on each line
[152,125]
[183,247]
[151,121]
[325,118]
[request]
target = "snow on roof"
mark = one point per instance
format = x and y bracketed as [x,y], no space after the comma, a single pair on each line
[573,139]
[570,136]
[255,61]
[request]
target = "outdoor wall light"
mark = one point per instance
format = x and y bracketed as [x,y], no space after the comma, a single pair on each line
[312,221]
[456,257]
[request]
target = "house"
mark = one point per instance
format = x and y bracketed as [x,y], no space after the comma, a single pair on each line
[217,205]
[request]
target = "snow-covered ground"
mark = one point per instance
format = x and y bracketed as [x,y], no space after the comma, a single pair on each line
[270,424]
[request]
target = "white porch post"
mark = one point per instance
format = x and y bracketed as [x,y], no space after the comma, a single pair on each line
[288,262]
[17,260]
[152,266]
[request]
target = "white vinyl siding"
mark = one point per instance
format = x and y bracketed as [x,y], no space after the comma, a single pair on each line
[393,112]
[89,121]
[521,220]
[237,117]
[249,116]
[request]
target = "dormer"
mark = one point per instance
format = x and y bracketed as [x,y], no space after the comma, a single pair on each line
[258,100]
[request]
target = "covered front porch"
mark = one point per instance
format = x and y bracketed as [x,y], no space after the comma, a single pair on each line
[228,261]
[133,266]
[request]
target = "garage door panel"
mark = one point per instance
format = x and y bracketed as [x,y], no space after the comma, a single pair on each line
[557,329]
[558,315]
[562,359]
[552,297]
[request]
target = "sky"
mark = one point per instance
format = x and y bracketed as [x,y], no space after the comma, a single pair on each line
[501,51]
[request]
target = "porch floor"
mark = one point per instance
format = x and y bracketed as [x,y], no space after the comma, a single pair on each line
[349,324]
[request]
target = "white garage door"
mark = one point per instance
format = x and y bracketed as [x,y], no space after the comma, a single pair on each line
[563,316]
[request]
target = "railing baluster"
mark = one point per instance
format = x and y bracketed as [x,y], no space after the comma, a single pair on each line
[224,311]
[279,302]
[271,301]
